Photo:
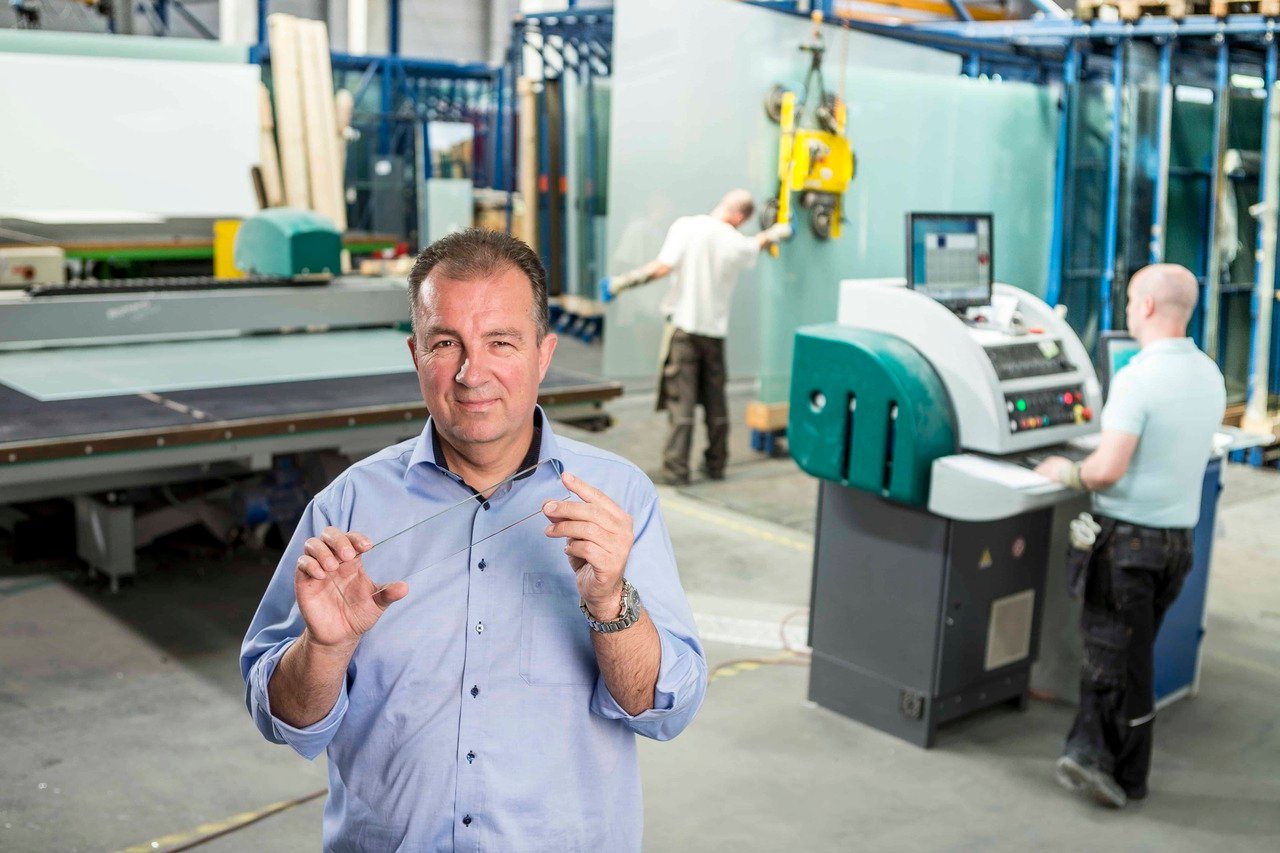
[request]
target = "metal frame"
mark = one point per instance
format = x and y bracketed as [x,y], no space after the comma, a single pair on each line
[412,93]
[578,41]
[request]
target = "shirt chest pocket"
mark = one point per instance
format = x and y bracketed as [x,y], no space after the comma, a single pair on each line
[555,642]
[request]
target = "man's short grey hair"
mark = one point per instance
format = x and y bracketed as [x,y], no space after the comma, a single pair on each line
[479,253]
[738,201]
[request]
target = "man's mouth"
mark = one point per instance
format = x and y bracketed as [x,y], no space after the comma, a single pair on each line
[475,406]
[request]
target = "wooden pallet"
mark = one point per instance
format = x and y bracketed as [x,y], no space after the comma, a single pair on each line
[1223,8]
[1132,10]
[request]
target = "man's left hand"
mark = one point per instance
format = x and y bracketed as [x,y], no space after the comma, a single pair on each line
[600,540]
[1053,468]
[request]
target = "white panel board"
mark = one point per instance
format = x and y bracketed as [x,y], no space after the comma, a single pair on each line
[172,139]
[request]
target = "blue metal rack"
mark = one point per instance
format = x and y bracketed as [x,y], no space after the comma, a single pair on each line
[577,42]
[412,93]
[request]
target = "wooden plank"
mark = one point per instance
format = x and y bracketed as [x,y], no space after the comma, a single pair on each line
[319,121]
[268,157]
[344,108]
[285,79]
[329,119]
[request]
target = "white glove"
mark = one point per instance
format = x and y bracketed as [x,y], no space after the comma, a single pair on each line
[778,232]
[1084,531]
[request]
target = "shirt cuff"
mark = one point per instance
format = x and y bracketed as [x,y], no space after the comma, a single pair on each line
[308,741]
[676,689]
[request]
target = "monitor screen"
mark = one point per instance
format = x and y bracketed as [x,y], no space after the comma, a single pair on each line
[949,257]
[1115,350]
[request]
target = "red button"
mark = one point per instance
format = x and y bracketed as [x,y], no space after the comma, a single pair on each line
[1068,398]
[1088,413]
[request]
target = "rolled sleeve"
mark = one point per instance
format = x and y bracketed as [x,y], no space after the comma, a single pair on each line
[682,673]
[308,741]
[682,683]
[275,627]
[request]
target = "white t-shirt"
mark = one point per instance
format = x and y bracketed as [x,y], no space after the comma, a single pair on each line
[1171,396]
[706,255]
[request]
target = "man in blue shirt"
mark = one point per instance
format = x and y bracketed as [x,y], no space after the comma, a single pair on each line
[1157,436]
[492,700]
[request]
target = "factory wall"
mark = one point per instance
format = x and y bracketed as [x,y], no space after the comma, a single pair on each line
[924,138]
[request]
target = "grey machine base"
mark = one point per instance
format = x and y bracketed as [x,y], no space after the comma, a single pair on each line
[917,620]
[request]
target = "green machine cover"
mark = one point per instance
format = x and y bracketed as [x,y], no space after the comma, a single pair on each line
[288,242]
[868,411]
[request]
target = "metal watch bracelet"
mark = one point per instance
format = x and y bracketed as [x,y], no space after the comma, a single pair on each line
[629,612]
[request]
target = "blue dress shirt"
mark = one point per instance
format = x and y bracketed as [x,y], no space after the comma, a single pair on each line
[474,716]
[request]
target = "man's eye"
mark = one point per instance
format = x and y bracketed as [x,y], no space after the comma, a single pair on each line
[442,344]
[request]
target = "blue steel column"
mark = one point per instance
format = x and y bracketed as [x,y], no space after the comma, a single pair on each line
[1113,188]
[1160,208]
[1070,77]
[1210,298]
[1260,364]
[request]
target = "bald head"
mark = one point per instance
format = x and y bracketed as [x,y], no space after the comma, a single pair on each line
[1162,298]
[736,207]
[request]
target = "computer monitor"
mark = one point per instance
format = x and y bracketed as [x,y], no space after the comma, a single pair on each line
[1115,350]
[949,257]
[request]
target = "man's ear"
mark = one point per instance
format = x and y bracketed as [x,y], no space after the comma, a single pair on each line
[545,350]
[413,348]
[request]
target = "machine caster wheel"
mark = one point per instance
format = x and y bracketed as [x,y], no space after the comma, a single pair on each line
[821,215]
[773,102]
[769,213]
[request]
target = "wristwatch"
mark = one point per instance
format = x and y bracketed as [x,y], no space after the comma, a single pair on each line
[627,616]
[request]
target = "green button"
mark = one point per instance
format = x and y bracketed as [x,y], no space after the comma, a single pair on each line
[1022,405]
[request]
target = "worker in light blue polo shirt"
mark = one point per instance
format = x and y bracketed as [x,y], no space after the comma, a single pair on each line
[1157,437]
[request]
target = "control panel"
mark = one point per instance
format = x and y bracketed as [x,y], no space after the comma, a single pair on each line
[1026,360]
[1047,407]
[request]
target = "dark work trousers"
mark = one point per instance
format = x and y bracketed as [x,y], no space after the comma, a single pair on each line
[1136,574]
[694,373]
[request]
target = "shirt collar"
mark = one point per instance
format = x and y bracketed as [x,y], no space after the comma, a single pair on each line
[1166,345]
[544,446]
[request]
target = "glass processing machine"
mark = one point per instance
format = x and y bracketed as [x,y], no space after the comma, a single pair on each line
[923,411]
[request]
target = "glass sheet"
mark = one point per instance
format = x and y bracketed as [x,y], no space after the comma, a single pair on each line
[78,372]
[432,541]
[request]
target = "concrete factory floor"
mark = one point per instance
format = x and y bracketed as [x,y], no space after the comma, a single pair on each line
[122,718]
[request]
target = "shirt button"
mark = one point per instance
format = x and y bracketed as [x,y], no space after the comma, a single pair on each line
[475,691]
[485,505]
[479,627]
[471,756]
[482,565]
[466,820]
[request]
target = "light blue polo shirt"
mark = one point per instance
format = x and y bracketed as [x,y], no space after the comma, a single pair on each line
[1171,395]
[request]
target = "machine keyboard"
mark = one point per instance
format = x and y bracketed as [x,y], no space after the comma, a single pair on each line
[1067,451]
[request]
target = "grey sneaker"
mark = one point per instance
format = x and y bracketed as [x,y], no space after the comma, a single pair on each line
[1090,782]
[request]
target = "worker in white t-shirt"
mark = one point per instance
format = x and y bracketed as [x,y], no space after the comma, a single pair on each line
[704,255]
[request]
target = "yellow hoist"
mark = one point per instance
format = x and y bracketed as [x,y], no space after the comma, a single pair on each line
[816,162]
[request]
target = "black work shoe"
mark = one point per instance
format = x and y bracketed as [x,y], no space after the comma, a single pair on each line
[668,479]
[1136,795]
[1089,782]
[711,475]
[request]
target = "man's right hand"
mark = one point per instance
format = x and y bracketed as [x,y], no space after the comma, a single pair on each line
[338,601]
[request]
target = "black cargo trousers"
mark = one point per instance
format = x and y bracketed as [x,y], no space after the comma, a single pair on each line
[1135,575]
[694,374]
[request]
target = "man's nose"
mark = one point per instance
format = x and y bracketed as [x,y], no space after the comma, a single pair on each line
[472,373]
